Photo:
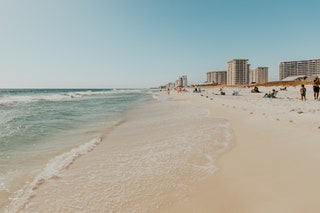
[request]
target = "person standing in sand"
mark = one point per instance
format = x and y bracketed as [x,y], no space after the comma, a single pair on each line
[303,92]
[316,83]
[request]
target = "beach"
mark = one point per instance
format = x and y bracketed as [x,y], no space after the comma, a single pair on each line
[136,106]
[146,162]
[191,152]
[273,163]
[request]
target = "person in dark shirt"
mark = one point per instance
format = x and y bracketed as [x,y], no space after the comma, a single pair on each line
[316,83]
[303,92]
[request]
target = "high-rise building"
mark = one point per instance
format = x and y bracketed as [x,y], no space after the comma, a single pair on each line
[296,68]
[238,71]
[259,75]
[182,81]
[217,77]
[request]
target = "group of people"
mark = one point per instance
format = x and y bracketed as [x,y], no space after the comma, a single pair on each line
[316,85]
[197,89]
[273,93]
[303,91]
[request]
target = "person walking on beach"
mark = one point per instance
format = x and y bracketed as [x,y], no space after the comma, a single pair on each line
[316,83]
[303,92]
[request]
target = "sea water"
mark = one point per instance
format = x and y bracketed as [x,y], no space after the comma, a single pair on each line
[103,150]
[38,124]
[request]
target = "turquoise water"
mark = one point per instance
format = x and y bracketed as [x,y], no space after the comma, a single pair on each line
[37,124]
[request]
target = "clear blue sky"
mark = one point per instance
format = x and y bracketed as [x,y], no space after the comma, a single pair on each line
[144,43]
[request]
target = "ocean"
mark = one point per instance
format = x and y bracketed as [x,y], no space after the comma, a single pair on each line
[109,150]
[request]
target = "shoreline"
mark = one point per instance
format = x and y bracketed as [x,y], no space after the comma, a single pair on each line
[145,164]
[273,163]
[157,161]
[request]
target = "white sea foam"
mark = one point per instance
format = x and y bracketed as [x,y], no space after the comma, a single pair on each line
[60,96]
[52,170]
[22,99]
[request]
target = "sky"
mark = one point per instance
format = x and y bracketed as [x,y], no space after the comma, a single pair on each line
[147,43]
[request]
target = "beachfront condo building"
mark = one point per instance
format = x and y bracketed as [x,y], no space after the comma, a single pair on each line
[217,77]
[238,71]
[298,68]
[182,81]
[259,75]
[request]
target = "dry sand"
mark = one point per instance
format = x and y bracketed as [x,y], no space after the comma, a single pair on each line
[273,165]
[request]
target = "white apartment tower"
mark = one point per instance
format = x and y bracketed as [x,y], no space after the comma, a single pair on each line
[238,71]
[259,75]
[218,77]
[295,68]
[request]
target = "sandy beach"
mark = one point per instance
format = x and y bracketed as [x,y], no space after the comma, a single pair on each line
[195,152]
[273,163]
